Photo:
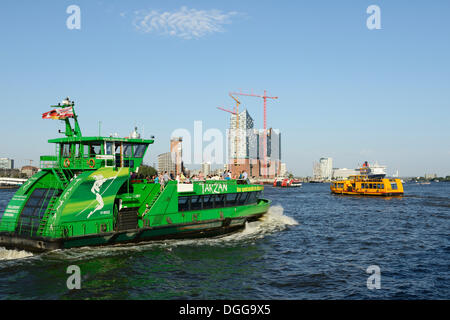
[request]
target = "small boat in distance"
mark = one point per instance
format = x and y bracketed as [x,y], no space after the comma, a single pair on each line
[368,183]
[286,183]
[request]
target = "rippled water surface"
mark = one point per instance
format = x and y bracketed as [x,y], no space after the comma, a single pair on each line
[311,245]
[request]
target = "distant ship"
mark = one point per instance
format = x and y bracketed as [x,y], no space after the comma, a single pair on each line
[374,171]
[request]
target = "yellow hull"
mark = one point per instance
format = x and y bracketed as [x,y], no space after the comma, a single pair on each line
[363,186]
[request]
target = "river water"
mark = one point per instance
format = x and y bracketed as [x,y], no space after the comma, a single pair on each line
[311,245]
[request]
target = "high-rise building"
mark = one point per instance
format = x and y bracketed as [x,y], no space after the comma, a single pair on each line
[6,163]
[176,151]
[240,138]
[283,170]
[206,168]
[326,168]
[165,163]
[316,171]
[323,170]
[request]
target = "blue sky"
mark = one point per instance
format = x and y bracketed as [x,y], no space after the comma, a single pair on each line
[344,91]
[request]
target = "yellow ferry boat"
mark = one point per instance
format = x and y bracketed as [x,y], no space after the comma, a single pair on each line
[368,185]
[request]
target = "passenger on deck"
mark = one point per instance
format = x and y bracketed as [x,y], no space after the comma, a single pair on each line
[245,177]
[166,177]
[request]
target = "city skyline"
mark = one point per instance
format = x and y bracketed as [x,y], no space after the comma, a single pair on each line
[345,91]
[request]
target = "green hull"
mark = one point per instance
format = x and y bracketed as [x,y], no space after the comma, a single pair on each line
[199,229]
[123,211]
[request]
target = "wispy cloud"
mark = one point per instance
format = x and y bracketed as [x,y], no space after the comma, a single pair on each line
[184,23]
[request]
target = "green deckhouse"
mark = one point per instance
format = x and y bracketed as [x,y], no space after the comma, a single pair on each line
[85,195]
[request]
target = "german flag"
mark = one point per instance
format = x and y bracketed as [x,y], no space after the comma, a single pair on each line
[59,114]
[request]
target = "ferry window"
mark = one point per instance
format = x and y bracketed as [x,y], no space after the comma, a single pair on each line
[394,185]
[183,203]
[94,149]
[127,150]
[109,148]
[196,203]
[65,150]
[370,186]
[117,151]
[139,150]
[208,201]
[128,163]
[231,199]
[242,198]
[219,201]
[382,186]
[78,151]
[252,198]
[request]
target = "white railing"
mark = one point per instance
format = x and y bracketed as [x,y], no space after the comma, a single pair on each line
[12,181]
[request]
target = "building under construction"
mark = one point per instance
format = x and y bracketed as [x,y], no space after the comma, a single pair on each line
[246,148]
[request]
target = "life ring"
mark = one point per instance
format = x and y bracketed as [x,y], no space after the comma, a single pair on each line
[91,163]
[67,162]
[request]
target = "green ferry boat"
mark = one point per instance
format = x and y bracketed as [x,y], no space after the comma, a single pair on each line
[87,195]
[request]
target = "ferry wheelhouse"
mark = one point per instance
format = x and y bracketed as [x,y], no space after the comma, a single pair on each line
[87,195]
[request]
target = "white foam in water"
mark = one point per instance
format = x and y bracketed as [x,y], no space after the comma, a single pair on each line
[273,221]
[13,254]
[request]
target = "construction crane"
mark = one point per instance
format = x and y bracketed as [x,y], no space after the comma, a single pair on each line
[265,97]
[226,110]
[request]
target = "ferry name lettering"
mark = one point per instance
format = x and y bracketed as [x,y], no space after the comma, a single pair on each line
[214,188]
